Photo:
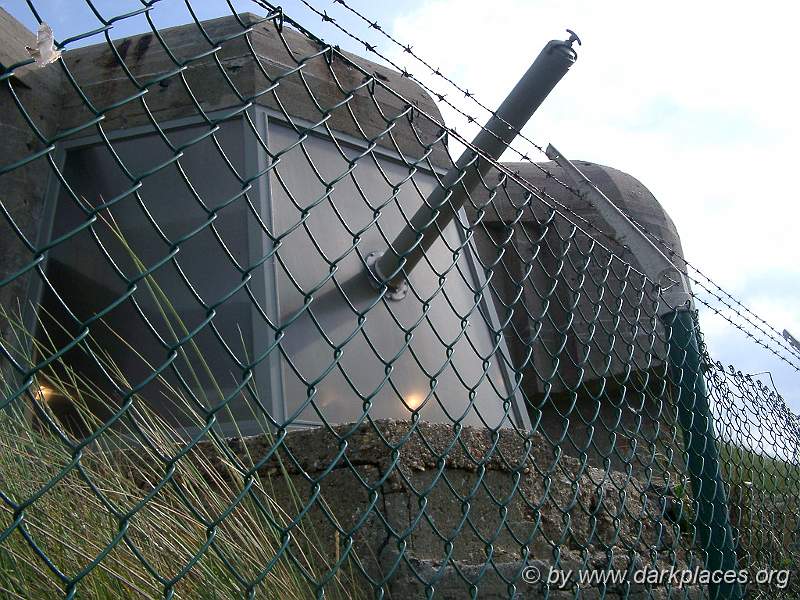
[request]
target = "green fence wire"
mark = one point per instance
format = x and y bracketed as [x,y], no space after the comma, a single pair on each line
[205,396]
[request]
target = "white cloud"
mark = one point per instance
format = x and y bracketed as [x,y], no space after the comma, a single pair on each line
[696,99]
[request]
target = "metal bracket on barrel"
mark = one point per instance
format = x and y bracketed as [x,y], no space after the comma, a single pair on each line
[393,292]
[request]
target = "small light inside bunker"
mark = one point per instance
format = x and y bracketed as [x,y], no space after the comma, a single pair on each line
[414,400]
[43,393]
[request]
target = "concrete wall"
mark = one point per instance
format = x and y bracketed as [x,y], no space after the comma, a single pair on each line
[464,489]
[412,493]
[248,67]
[22,190]
[242,74]
[582,324]
[239,72]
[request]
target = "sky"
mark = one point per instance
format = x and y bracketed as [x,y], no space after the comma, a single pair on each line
[698,100]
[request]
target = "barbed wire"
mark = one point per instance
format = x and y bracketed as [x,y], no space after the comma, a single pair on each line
[602,480]
[771,338]
[542,195]
[774,338]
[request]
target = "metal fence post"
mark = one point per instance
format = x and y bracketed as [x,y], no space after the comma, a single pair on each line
[391,266]
[694,414]
[699,440]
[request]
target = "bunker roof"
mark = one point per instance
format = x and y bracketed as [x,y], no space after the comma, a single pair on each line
[624,190]
[244,68]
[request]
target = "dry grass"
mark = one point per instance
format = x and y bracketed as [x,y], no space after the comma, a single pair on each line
[119,508]
[121,522]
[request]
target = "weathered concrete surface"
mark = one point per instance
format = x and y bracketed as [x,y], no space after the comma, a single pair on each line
[584,330]
[577,291]
[141,75]
[22,190]
[431,501]
[245,69]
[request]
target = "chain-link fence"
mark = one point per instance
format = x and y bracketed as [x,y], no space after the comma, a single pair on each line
[210,390]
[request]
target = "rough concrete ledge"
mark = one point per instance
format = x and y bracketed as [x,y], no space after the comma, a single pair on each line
[39,91]
[389,443]
[446,506]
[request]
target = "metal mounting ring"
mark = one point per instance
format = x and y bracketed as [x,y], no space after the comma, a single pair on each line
[377,280]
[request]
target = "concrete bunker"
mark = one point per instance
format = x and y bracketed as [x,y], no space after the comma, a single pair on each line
[248,207]
[276,310]
[580,322]
[244,202]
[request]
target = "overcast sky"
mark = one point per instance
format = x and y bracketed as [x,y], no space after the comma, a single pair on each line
[698,100]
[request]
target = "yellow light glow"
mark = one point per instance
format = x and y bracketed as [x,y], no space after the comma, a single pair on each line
[44,393]
[414,401]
